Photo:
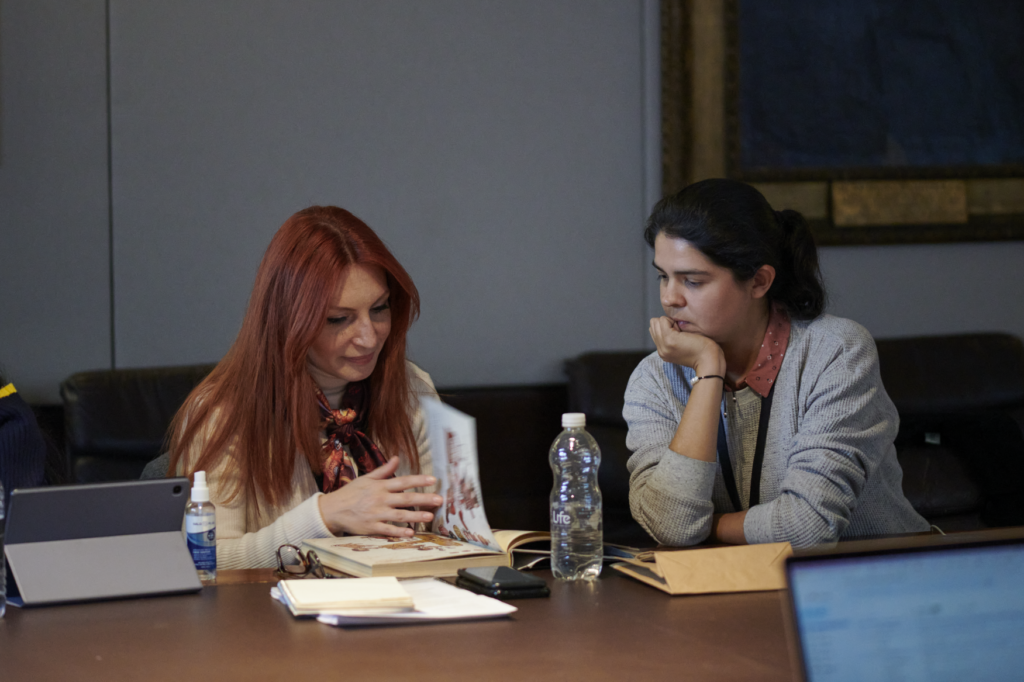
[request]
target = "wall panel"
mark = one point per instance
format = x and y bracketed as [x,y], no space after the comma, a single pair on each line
[496,147]
[54,220]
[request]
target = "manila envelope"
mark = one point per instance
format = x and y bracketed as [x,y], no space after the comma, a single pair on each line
[744,568]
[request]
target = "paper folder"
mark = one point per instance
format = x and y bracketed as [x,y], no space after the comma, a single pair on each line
[708,570]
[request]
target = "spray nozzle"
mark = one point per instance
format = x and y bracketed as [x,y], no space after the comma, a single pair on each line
[200,492]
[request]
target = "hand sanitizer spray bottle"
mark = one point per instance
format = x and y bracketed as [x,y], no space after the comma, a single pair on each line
[201,530]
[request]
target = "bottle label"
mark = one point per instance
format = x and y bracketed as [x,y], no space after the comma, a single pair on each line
[575,516]
[201,535]
[200,524]
[560,518]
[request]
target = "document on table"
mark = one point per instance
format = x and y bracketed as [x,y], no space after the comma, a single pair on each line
[362,596]
[434,601]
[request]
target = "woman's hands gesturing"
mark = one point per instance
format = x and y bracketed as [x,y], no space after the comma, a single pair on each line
[373,502]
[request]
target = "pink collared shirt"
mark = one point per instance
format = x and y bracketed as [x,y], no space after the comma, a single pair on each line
[769,359]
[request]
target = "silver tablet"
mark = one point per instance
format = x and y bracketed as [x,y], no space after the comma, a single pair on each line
[99,541]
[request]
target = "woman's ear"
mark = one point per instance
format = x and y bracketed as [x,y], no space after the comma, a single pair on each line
[762,280]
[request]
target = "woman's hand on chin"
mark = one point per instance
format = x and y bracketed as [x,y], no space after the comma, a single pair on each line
[686,348]
[373,502]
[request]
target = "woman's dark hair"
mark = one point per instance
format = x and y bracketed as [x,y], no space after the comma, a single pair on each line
[732,224]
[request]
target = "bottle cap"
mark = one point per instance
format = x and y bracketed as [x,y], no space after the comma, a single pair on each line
[200,493]
[574,420]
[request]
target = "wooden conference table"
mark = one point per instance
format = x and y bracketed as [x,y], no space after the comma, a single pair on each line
[614,629]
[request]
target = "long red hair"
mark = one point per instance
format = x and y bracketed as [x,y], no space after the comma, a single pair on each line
[260,400]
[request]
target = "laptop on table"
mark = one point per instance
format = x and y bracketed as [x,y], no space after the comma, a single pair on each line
[927,608]
[99,541]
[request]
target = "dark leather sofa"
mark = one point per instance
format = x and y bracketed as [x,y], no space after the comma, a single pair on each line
[116,422]
[597,383]
[960,442]
[961,401]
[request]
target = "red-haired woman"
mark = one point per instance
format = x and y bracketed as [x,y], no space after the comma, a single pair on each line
[310,426]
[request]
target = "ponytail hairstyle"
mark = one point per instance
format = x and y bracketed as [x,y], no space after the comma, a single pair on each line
[259,403]
[732,224]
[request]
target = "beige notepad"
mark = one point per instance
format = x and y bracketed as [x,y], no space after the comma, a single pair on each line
[354,596]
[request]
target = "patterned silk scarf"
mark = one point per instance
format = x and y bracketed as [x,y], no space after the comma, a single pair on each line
[344,427]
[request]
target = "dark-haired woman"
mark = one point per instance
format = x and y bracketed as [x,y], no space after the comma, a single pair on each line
[758,419]
[304,424]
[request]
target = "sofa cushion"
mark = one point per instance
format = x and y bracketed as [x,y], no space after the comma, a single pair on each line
[515,426]
[936,482]
[966,391]
[116,420]
[947,459]
[597,384]
[965,372]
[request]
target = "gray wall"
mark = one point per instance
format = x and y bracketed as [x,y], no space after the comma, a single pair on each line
[928,289]
[495,146]
[54,219]
[506,151]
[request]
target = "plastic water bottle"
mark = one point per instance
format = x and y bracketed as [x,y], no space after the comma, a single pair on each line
[576,526]
[3,560]
[201,530]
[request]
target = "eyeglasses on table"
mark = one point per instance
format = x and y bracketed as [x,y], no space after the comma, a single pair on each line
[292,562]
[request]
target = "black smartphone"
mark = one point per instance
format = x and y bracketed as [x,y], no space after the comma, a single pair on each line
[502,582]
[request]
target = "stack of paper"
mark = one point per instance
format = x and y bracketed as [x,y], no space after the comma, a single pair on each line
[359,596]
[434,601]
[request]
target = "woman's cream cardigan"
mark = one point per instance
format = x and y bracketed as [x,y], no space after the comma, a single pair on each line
[248,540]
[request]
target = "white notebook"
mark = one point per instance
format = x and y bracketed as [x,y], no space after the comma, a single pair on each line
[434,601]
[355,596]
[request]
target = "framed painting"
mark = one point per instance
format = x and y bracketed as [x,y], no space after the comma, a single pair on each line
[883,122]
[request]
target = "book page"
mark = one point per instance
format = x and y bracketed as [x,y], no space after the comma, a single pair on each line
[453,447]
[509,540]
[373,550]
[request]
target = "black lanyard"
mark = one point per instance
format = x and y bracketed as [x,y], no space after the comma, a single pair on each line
[726,464]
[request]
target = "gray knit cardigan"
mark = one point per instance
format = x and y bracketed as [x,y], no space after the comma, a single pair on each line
[830,466]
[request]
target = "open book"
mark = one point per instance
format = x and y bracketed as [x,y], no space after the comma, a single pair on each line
[460,536]
[452,437]
[429,554]
[425,554]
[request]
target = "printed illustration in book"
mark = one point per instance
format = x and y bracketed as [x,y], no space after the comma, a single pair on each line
[420,547]
[453,446]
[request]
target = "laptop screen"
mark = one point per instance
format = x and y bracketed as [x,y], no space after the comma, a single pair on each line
[944,613]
